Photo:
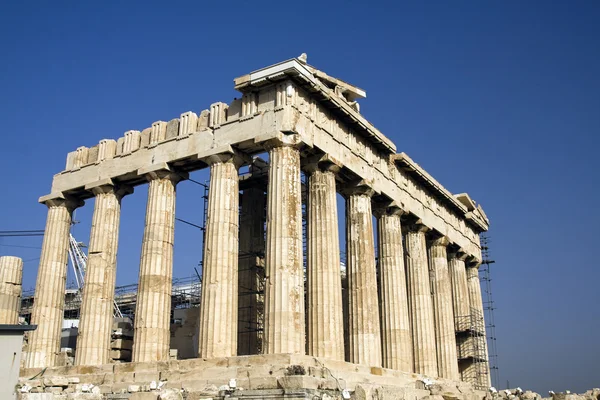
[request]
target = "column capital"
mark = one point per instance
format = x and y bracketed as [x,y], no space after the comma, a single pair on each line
[280,139]
[162,170]
[109,186]
[362,187]
[415,227]
[441,241]
[472,262]
[459,254]
[321,162]
[61,200]
[224,154]
[387,208]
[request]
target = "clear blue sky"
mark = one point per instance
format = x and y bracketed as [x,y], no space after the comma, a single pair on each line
[498,98]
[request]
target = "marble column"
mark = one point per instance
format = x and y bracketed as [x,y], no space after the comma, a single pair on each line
[460,290]
[95,325]
[396,337]
[325,314]
[478,320]
[252,248]
[441,288]
[284,275]
[11,277]
[420,300]
[219,303]
[48,308]
[152,330]
[364,326]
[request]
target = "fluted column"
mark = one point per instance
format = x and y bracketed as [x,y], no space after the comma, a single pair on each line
[460,290]
[95,325]
[219,304]
[48,308]
[396,337]
[420,300]
[364,327]
[11,277]
[478,319]
[284,288]
[325,315]
[252,248]
[447,360]
[153,309]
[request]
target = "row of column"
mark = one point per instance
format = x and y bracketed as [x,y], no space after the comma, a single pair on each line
[401,318]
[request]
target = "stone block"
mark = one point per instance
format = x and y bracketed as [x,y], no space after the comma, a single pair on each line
[298,382]
[105,389]
[120,387]
[122,344]
[53,389]
[83,396]
[118,354]
[266,382]
[56,381]
[37,396]
[90,369]
[329,384]
[170,375]
[170,394]
[123,377]
[200,387]
[145,377]
[136,367]
[143,396]
[133,388]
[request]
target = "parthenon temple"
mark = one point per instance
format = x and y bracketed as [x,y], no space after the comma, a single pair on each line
[406,303]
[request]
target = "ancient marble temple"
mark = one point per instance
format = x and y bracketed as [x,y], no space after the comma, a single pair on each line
[410,283]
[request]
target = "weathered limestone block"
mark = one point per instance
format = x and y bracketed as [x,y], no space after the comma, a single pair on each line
[218,308]
[364,327]
[95,326]
[249,105]
[421,303]
[187,123]
[145,137]
[132,141]
[252,243]
[158,132]
[93,155]
[172,129]
[218,114]
[152,328]
[47,314]
[442,310]
[284,288]
[122,344]
[395,323]
[120,354]
[325,313]
[107,149]
[203,120]
[81,157]
[11,276]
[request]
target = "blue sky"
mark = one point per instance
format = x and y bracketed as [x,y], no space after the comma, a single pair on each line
[499,99]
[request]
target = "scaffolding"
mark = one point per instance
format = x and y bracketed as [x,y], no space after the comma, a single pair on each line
[489,307]
[470,342]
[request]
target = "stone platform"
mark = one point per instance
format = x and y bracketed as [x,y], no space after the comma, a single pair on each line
[277,376]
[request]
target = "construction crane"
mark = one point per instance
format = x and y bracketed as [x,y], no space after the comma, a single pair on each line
[79,262]
[76,255]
